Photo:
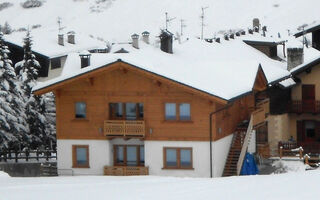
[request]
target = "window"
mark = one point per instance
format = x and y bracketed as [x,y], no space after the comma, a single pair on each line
[55,63]
[128,155]
[177,158]
[182,113]
[310,129]
[80,156]
[170,111]
[185,111]
[81,110]
[127,111]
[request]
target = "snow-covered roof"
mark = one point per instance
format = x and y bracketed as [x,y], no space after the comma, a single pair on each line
[226,71]
[45,42]
[287,82]
[307,29]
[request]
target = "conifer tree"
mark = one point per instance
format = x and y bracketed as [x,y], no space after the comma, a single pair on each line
[12,124]
[35,108]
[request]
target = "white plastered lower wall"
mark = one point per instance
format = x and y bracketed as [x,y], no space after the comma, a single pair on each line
[200,154]
[101,154]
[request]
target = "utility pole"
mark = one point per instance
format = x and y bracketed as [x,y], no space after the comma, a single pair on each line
[202,20]
[182,25]
[168,20]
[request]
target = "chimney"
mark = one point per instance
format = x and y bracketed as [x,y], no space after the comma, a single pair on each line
[238,33]
[294,57]
[71,35]
[217,40]
[145,36]
[232,35]
[135,40]
[250,31]
[226,37]
[85,59]
[256,24]
[166,40]
[243,32]
[60,39]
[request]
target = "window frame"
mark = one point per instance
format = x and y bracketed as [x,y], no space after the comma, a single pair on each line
[56,62]
[178,155]
[112,115]
[138,147]
[74,156]
[75,111]
[178,118]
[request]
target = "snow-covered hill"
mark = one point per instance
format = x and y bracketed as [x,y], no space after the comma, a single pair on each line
[116,20]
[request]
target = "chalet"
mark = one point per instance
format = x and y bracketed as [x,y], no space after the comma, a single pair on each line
[51,49]
[174,112]
[294,109]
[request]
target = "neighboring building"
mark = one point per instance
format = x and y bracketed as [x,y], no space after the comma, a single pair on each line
[143,111]
[51,49]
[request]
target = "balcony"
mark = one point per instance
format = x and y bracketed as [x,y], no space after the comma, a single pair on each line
[125,170]
[299,106]
[124,128]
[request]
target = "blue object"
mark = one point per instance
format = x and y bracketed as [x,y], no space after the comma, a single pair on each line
[249,166]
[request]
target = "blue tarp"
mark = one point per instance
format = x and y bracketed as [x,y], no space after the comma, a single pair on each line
[249,166]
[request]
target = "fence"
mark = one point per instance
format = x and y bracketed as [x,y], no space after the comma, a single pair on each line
[27,155]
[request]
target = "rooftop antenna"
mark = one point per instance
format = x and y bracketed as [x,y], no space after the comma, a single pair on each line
[182,25]
[168,20]
[59,21]
[202,20]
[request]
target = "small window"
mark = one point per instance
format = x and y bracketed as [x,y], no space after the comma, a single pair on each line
[55,63]
[185,111]
[81,110]
[177,158]
[170,110]
[80,156]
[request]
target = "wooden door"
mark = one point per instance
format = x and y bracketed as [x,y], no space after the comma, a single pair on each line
[308,98]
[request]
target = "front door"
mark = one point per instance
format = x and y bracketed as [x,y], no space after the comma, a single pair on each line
[308,98]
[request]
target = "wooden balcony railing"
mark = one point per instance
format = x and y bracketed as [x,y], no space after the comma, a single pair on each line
[125,170]
[124,128]
[300,106]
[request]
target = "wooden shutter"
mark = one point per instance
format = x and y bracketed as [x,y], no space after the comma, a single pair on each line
[308,92]
[300,134]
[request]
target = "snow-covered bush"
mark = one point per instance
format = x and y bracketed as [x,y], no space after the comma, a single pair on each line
[5,5]
[31,4]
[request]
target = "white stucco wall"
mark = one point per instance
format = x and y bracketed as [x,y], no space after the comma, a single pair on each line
[100,154]
[201,157]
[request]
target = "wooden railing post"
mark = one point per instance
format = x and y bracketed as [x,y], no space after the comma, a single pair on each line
[306,159]
[300,152]
[27,154]
[5,155]
[281,152]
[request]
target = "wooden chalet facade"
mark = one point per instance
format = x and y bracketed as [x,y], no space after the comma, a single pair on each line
[122,120]
[294,117]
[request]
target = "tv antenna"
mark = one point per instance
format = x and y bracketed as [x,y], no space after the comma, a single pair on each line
[59,21]
[168,20]
[202,20]
[182,25]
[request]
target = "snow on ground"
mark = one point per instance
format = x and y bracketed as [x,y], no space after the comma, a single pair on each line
[293,186]
[118,19]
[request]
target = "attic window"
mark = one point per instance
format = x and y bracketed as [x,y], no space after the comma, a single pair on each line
[55,63]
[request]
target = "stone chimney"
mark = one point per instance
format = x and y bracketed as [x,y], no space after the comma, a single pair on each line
[145,36]
[85,59]
[135,40]
[60,39]
[294,57]
[71,35]
[217,40]
[256,24]
[232,36]
[226,37]
[238,33]
[166,41]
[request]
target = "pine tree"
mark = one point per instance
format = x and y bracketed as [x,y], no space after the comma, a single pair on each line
[35,107]
[12,124]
